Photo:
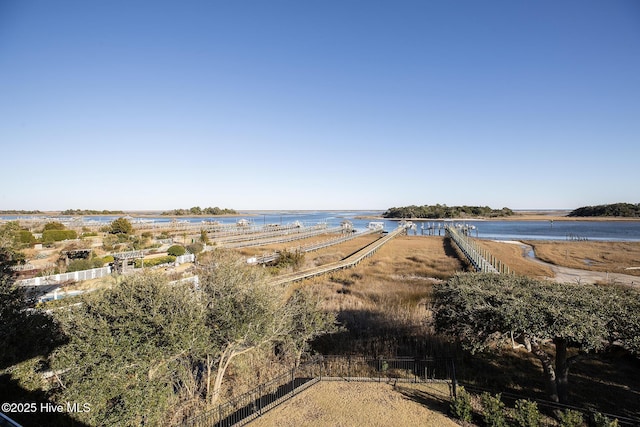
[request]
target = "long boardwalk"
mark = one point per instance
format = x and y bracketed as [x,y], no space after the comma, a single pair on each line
[258,240]
[314,246]
[347,262]
[475,255]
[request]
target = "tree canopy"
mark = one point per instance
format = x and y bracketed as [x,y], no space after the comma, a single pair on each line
[121,226]
[444,211]
[616,209]
[484,310]
[127,347]
[147,350]
[197,210]
[90,212]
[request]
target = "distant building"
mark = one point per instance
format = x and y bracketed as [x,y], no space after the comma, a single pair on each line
[376,225]
[347,226]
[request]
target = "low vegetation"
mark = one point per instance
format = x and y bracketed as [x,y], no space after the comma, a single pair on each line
[153,262]
[176,250]
[363,404]
[619,257]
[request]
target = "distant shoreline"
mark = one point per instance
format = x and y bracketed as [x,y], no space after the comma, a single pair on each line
[520,215]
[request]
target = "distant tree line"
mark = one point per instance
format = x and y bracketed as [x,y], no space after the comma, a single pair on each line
[197,210]
[628,210]
[444,211]
[90,212]
[14,212]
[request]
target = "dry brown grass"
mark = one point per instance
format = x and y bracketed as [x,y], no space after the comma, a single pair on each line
[401,273]
[383,298]
[259,250]
[513,255]
[588,255]
[363,404]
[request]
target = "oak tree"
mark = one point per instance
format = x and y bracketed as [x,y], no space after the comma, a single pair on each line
[483,310]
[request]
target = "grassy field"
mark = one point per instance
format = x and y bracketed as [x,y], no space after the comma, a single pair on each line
[385,296]
[619,257]
[513,255]
[363,404]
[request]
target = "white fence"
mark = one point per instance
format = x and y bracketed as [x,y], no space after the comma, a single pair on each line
[77,276]
[185,258]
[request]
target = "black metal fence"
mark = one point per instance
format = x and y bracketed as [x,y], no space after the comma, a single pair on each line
[256,402]
[549,407]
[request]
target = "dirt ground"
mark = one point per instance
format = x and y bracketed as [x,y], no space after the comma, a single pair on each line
[363,404]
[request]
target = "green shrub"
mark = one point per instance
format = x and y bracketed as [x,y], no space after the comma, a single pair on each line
[121,226]
[195,248]
[493,410]
[79,265]
[152,262]
[58,235]
[122,238]
[600,420]
[176,250]
[107,259]
[109,242]
[570,418]
[53,226]
[25,237]
[527,413]
[286,258]
[461,406]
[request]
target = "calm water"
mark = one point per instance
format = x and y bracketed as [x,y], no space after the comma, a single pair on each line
[499,230]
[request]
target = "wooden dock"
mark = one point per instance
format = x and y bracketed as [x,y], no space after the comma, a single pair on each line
[348,262]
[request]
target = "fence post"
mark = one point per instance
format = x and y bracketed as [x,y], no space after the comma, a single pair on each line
[454,381]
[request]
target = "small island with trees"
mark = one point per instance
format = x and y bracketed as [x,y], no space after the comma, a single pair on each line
[444,211]
[626,210]
[19,212]
[73,212]
[197,210]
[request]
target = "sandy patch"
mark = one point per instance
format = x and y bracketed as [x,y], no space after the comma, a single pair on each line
[363,404]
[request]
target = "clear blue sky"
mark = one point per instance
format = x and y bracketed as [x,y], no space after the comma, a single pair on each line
[318,104]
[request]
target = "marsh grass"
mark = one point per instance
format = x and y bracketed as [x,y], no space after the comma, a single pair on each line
[514,256]
[384,304]
[588,255]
